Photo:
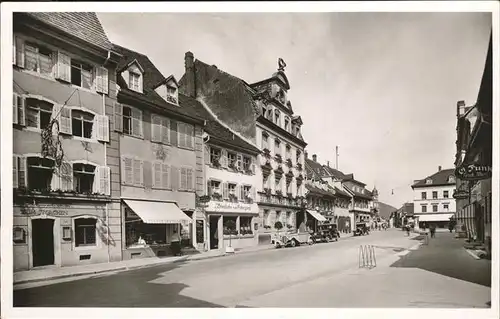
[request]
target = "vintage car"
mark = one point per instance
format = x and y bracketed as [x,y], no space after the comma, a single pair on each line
[326,233]
[292,239]
[361,229]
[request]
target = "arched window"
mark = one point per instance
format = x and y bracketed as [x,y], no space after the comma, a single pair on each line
[82,123]
[83,177]
[85,231]
[287,124]
[38,113]
[40,172]
[277,147]
[265,140]
[277,117]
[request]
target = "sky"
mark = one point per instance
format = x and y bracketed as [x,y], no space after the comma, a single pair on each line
[381,86]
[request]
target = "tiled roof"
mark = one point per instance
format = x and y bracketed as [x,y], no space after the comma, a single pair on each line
[438,179]
[187,105]
[84,25]
[360,195]
[318,190]
[314,170]
[341,192]
[336,173]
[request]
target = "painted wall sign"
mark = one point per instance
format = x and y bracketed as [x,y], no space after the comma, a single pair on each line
[34,211]
[473,172]
[228,207]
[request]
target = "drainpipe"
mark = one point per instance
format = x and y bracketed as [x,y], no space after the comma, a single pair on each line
[105,165]
[207,239]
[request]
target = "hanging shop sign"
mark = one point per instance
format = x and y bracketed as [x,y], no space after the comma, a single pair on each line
[473,172]
[461,194]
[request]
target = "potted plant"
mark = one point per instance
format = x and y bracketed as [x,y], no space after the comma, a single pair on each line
[216,196]
[230,226]
[289,195]
[233,197]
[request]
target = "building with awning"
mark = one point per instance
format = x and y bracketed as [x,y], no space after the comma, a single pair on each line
[152,212]
[317,216]
[445,217]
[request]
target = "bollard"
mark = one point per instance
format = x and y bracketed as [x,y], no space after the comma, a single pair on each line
[366,257]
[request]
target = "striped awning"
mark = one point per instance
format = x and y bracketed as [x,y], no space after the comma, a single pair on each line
[158,212]
[317,215]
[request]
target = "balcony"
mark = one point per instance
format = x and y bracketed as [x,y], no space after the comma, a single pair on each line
[266,198]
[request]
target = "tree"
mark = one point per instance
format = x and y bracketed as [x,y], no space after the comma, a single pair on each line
[231,226]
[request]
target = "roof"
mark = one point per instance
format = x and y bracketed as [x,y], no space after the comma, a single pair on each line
[335,173]
[407,208]
[314,170]
[439,178]
[341,192]
[358,194]
[84,25]
[318,190]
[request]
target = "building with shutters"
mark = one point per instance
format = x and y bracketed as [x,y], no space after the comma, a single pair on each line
[157,158]
[261,114]
[62,84]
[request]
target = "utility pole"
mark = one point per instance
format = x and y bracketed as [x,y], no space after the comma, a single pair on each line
[337,157]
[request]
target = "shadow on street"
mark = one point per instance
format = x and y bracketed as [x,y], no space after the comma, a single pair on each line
[446,256]
[125,289]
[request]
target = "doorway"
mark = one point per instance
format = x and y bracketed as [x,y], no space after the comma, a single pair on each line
[300,221]
[214,232]
[42,238]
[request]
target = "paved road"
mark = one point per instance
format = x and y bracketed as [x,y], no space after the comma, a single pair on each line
[220,282]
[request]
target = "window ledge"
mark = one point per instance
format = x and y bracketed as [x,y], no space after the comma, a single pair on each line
[186,148]
[61,195]
[86,248]
[162,143]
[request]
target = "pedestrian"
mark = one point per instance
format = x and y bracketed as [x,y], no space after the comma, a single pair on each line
[408,230]
[432,228]
[175,242]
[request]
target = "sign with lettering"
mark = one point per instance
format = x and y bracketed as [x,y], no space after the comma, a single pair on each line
[460,194]
[230,207]
[32,211]
[473,172]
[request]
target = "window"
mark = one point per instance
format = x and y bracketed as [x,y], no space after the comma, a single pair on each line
[231,157]
[215,155]
[246,225]
[81,74]
[246,193]
[265,181]
[428,181]
[38,113]
[277,147]
[214,188]
[85,232]
[446,207]
[228,230]
[231,187]
[82,123]
[83,178]
[185,135]
[288,151]
[40,171]
[424,195]
[132,121]
[171,94]
[434,208]
[277,183]
[38,59]
[161,175]
[160,129]
[266,218]
[297,156]
[277,119]
[134,81]
[288,186]
[434,195]
[187,178]
[424,208]
[445,194]
[451,179]
[132,171]
[265,140]
[247,163]
[287,124]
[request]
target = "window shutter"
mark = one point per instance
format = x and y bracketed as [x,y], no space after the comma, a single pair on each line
[209,188]
[104,179]
[15,116]
[180,134]
[157,174]
[66,174]
[224,160]
[118,111]
[239,192]
[225,190]
[137,176]
[65,120]
[156,135]
[21,110]
[165,176]
[96,186]
[127,171]
[63,70]
[19,52]
[190,136]
[55,182]
[174,178]
[165,136]
[252,193]
[102,127]
[22,172]
[207,154]
[183,178]
[190,179]
[15,173]
[102,80]
[56,113]
[239,162]
[137,122]
[142,173]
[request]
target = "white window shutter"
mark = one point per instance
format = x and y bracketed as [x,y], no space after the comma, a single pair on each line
[157,182]
[66,176]
[239,161]
[142,173]
[156,128]
[15,116]
[225,190]
[104,180]
[102,128]
[165,136]
[56,114]
[190,178]
[65,120]
[102,80]
[63,70]
[15,171]
[165,178]
[224,161]
[96,187]
[19,52]
[127,171]
[118,120]
[55,183]
[21,110]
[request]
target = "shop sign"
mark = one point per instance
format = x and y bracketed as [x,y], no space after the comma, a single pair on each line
[228,207]
[45,212]
[460,194]
[473,172]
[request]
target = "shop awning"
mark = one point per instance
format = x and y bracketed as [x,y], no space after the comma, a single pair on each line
[317,215]
[434,217]
[158,212]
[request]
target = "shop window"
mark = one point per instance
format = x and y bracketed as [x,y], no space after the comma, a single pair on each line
[40,172]
[434,195]
[446,194]
[215,156]
[82,123]
[85,232]
[81,74]
[38,59]
[424,195]
[132,121]
[434,208]
[246,225]
[83,177]
[266,216]
[228,221]
[140,234]
[38,113]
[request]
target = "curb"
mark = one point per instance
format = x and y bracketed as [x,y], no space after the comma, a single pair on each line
[470,252]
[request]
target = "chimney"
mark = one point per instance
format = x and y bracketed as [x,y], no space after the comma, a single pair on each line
[190,78]
[439,168]
[328,164]
[306,155]
[460,108]
[314,157]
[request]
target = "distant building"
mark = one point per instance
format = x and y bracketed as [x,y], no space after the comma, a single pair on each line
[433,199]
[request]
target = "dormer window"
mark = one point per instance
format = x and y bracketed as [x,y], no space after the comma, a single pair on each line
[172,94]
[277,119]
[134,76]
[168,90]
[451,179]
[134,81]
[287,124]
[428,181]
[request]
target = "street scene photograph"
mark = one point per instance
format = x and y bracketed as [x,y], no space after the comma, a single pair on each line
[251,160]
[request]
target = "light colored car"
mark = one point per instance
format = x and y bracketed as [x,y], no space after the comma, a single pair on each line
[292,239]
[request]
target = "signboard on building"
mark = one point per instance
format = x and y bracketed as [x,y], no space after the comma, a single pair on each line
[229,207]
[461,194]
[473,172]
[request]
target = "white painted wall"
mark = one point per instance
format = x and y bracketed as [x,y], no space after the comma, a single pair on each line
[440,201]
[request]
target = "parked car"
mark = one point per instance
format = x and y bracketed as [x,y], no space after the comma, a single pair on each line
[361,230]
[292,239]
[326,233]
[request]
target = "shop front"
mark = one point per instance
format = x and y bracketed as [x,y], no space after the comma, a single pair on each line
[361,219]
[343,219]
[231,224]
[62,232]
[150,227]
[439,220]
[316,220]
